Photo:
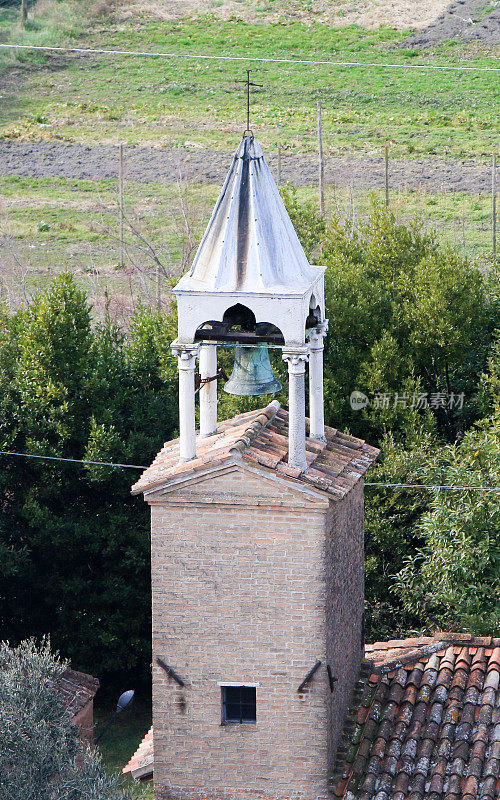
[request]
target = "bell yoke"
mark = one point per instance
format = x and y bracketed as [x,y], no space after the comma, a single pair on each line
[251,285]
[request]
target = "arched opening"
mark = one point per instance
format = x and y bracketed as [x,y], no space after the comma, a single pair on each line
[239,325]
[313,318]
[239,317]
[314,315]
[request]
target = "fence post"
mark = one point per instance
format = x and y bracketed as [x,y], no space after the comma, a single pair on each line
[120,203]
[387,176]
[321,162]
[494,204]
[24,12]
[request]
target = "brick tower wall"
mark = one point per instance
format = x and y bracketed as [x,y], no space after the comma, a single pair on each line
[345,582]
[239,570]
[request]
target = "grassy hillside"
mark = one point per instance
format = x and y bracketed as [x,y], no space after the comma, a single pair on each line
[49,224]
[171,101]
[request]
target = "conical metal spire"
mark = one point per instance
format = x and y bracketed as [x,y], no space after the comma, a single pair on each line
[250,244]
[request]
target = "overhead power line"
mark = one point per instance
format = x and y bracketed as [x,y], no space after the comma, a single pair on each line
[255,59]
[72,460]
[424,486]
[138,466]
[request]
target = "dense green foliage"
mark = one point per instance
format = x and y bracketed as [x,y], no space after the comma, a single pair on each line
[409,321]
[75,542]
[454,577]
[412,326]
[41,755]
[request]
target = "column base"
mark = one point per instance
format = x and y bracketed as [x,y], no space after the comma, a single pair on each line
[206,435]
[318,438]
[185,460]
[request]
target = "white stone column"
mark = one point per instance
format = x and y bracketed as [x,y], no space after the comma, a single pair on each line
[208,391]
[296,358]
[316,388]
[186,361]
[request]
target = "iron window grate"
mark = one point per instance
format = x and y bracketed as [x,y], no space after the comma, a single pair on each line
[239,704]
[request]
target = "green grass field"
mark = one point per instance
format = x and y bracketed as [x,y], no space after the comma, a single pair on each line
[171,101]
[51,223]
[121,740]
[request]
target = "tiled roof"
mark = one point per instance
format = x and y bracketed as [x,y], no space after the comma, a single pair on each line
[425,722]
[141,763]
[261,438]
[397,649]
[76,689]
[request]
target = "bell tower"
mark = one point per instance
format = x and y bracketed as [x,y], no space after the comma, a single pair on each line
[251,284]
[256,525]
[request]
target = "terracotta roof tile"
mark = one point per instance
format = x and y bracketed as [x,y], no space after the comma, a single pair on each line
[434,735]
[76,689]
[261,437]
[141,763]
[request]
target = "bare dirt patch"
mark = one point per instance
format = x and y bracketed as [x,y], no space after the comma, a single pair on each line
[466,20]
[400,14]
[168,165]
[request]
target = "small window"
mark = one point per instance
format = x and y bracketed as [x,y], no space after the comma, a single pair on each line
[239,704]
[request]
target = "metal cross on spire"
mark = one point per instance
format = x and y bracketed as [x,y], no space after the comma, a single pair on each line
[248,83]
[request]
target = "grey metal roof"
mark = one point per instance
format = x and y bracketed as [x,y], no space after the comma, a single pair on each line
[250,244]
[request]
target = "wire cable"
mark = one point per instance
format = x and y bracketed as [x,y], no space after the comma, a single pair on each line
[424,486]
[72,460]
[138,466]
[200,56]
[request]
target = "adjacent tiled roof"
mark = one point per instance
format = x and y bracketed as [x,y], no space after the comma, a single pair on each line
[394,649]
[261,437]
[141,763]
[425,722]
[76,689]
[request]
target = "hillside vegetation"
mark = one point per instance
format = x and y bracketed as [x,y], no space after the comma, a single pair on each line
[85,364]
[173,101]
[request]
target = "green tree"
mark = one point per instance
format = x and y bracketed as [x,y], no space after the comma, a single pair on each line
[392,515]
[409,319]
[77,542]
[41,754]
[404,315]
[454,578]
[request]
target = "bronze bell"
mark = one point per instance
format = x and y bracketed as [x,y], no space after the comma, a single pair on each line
[252,372]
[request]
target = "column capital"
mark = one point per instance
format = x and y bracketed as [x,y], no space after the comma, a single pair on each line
[296,357]
[186,353]
[318,334]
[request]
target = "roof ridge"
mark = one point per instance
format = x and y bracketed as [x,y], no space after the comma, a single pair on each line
[81,676]
[465,639]
[262,436]
[259,423]
[444,705]
[412,657]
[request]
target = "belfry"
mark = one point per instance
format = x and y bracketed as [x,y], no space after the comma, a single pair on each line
[251,276]
[256,523]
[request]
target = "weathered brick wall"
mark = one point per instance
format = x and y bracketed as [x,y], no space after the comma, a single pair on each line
[85,721]
[345,603]
[239,594]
